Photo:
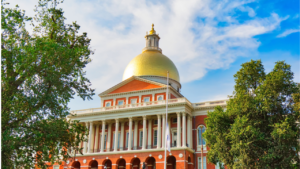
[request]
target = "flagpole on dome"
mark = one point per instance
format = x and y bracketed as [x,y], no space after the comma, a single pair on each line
[167,133]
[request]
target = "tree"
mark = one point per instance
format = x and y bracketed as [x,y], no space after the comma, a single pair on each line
[259,128]
[42,69]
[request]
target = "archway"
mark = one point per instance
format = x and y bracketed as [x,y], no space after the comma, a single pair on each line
[121,164]
[171,162]
[150,163]
[94,164]
[190,164]
[136,163]
[76,165]
[106,164]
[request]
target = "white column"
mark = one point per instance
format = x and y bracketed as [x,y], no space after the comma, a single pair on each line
[91,140]
[163,131]
[102,136]
[178,131]
[109,137]
[149,133]
[97,138]
[135,133]
[144,133]
[191,131]
[158,131]
[183,129]
[122,136]
[85,143]
[116,135]
[188,131]
[130,133]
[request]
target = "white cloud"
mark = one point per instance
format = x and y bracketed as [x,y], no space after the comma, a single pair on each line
[190,31]
[287,32]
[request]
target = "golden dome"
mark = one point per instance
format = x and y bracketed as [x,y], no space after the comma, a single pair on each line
[151,63]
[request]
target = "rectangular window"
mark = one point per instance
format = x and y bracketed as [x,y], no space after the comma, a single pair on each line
[155,137]
[174,120]
[133,101]
[141,138]
[127,136]
[200,163]
[118,144]
[146,99]
[120,102]
[155,122]
[104,141]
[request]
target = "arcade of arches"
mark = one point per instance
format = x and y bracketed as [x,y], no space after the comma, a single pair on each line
[135,163]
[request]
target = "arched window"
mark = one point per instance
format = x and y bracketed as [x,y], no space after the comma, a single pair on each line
[200,131]
[160,97]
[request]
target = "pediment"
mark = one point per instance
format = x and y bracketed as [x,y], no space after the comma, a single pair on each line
[133,84]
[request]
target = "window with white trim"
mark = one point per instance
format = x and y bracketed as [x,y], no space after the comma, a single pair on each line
[121,102]
[155,122]
[155,137]
[133,101]
[160,97]
[146,99]
[141,138]
[107,104]
[219,165]
[200,139]
[200,163]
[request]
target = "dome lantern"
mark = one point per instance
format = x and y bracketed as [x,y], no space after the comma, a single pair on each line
[152,41]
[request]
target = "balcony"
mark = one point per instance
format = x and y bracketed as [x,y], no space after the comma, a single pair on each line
[130,106]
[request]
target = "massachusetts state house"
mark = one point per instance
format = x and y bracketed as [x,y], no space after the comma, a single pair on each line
[128,130]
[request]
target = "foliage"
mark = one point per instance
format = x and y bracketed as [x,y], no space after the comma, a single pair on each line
[42,69]
[259,128]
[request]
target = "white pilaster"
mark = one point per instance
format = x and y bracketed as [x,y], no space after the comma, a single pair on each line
[97,138]
[91,139]
[102,137]
[144,133]
[158,131]
[116,135]
[122,136]
[183,129]
[163,131]
[178,130]
[130,133]
[149,133]
[85,143]
[109,137]
[135,133]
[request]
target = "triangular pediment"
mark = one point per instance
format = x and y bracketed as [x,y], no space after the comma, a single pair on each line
[133,84]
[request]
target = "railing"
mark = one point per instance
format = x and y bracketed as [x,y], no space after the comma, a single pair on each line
[210,103]
[173,145]
[126,106]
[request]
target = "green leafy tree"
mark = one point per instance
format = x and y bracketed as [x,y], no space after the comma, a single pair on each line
[259,128]
[42,69]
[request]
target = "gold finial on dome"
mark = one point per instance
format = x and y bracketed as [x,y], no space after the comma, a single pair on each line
[152,31]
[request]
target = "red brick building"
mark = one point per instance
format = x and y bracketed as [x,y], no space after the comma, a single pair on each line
[128,130]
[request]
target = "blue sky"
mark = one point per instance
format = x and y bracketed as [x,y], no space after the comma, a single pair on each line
[207,40]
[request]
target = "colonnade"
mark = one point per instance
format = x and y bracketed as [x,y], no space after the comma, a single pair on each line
[183,129]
